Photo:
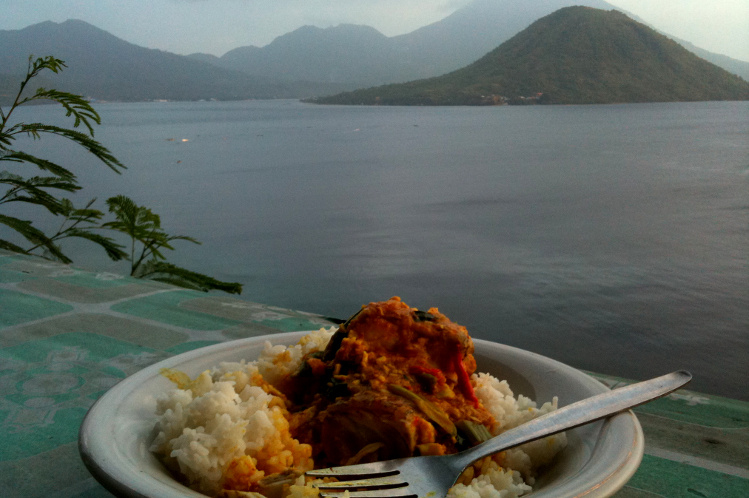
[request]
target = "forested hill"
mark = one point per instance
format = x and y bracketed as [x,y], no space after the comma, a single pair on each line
[576,55]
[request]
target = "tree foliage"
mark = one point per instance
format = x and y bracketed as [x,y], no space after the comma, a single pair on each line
[147,244]
[43,190]
[138,223]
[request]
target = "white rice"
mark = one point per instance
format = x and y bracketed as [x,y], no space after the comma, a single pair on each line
[225,414]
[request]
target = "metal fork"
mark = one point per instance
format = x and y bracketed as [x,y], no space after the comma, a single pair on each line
[433,476]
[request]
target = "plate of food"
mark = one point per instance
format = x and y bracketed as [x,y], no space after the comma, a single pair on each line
[247,418]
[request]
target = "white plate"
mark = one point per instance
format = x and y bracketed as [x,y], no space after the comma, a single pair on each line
[117,431]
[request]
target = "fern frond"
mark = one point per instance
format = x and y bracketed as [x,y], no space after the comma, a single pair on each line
[35,236]
[133,220]
[34,67]
[38,182]
[113,249]
[32,191]
[74,105]
[102,153]
[83,214]
[9,246]
[184,237]
[175,275]
[43,164]
[49,62]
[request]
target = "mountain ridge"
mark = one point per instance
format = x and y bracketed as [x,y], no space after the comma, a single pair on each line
[323,61]
[438,48]
[346,54]
[102,66]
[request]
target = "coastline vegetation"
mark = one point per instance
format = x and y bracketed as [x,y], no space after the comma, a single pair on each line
[48,182]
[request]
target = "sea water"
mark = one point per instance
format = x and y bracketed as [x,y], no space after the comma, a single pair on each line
[614,238]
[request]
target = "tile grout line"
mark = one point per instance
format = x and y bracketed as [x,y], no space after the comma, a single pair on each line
[696,461]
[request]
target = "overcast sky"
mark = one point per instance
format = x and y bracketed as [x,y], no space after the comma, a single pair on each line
[217,26]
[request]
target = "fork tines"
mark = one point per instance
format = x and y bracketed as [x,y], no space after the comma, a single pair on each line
[401,492]
[367,485]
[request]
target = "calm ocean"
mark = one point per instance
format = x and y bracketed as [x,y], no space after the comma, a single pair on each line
[614,238]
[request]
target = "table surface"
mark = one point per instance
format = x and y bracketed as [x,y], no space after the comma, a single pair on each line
[67,335]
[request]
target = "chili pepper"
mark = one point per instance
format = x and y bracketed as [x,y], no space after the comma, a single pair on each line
[464,381]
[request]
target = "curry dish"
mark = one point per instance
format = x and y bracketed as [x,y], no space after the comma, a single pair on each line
[390,382]
[393,382]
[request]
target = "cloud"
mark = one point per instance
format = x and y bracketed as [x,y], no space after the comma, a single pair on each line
[716,25]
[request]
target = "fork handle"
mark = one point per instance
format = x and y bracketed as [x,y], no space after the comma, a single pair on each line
[576,414]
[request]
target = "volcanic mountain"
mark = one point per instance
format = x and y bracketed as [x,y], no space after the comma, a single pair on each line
[576,55]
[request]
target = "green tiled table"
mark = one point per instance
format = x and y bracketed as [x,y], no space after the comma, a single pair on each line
[67,335]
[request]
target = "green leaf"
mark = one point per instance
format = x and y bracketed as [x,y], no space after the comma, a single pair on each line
[74,105]
[143,226]
[34,67]
[35,236]
[32,191]
[71,227]
[175,275]
[136,221]
[42,164]
[113,249]
[9,246]
[102,153]
[48,62]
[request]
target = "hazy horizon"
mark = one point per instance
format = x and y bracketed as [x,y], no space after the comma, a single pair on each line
[215,27]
